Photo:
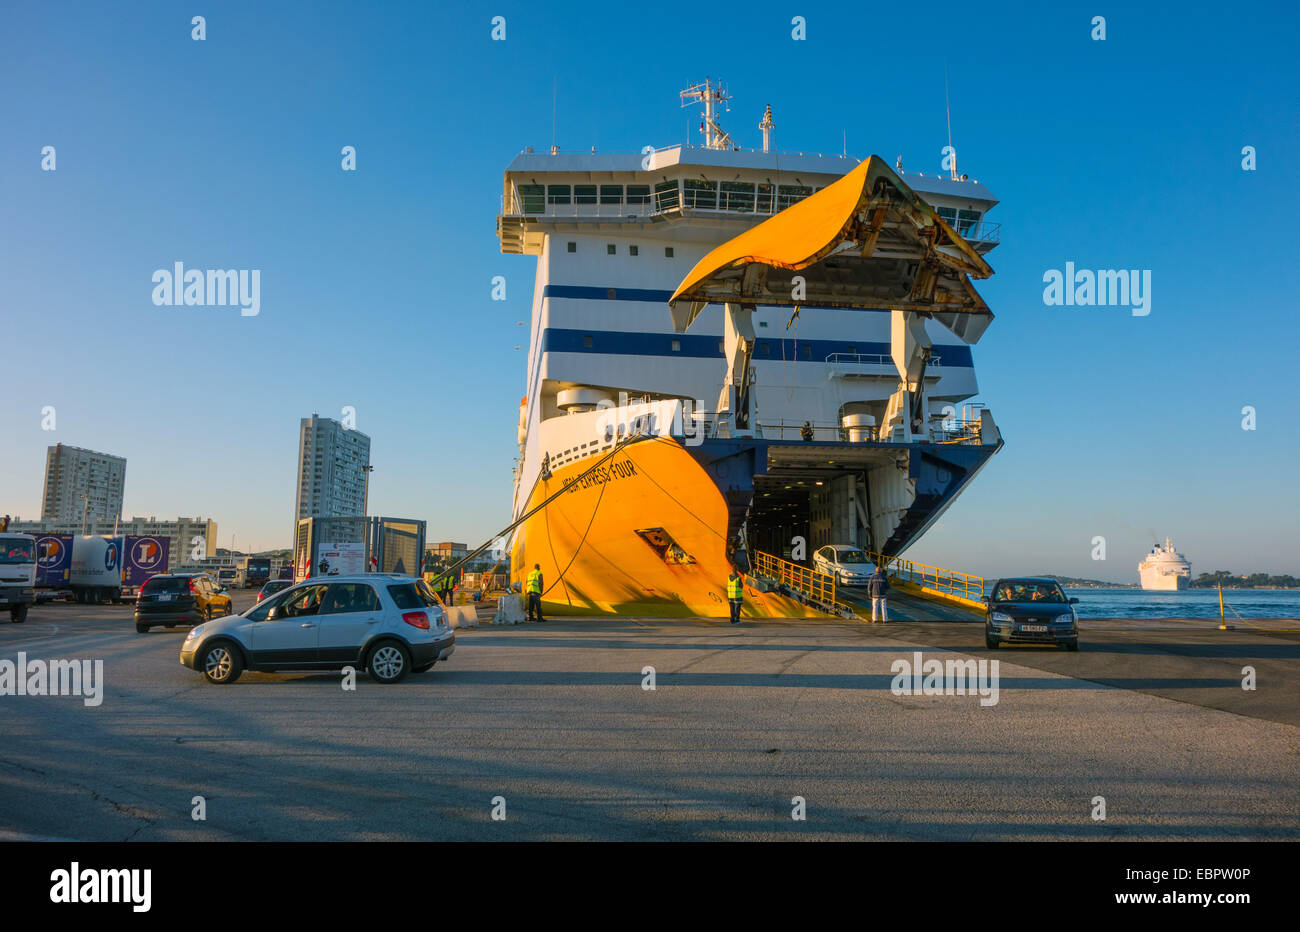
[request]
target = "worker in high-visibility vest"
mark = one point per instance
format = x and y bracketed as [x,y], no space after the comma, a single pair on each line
[735,594]
[533,591]
[447,585]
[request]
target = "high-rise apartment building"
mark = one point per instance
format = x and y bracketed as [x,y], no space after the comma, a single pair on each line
[332,466]
[82,485]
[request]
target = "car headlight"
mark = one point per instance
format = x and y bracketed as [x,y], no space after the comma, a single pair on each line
[1066,619]
[1002,617]
[194,632]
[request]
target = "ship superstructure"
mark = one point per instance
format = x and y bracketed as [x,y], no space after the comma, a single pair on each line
[874,375]
[1165,569]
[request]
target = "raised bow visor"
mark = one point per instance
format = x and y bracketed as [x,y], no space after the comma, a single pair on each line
[865,242]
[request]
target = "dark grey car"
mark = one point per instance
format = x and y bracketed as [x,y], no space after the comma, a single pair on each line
[1030,610]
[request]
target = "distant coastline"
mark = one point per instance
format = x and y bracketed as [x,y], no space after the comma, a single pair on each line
[1203,581]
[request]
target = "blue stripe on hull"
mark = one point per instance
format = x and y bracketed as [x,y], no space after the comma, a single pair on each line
[623,343]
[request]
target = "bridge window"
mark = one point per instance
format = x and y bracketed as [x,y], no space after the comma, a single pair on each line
[701,194]
[667,195]
[738,195]
[557,194]
[949,214]
[668,251]
[584,194]
[764,205]
[638,194]
[805,351]
[587,342]
[677,346]
[533,197]
[788,194]
[967,221]
[633,251]
[573,247]
[610,249]
[611,194]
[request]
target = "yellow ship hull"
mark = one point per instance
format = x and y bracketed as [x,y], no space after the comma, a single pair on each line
[644,534]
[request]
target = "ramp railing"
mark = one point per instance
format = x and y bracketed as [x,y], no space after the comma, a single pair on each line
[817,586]
[953,584]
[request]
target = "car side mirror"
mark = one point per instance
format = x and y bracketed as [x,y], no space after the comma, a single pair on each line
[274,613]
[1074,601]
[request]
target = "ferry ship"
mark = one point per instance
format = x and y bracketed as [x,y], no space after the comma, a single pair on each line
[1165,569]
[736,351]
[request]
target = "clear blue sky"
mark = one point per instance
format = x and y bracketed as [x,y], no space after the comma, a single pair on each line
[376,284]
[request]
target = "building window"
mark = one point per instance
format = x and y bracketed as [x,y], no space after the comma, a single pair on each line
[557,194]
[611,194]
[610,249]
[633,251]
[764,348]
[584,194]
[805,351]
[668,251]
[587,342]
[573,247]
[677,346]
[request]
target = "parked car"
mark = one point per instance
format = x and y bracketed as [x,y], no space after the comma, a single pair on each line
[849,565]
[274,586]
[388,624]
[1030,610]
[174,599]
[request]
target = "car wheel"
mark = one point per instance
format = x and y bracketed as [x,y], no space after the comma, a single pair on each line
[1072,645]
[389,662]
[141,629]
[991,642]
[221,664]
[19,614]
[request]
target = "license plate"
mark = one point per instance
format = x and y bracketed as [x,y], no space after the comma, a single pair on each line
[165,597]
[1034,629]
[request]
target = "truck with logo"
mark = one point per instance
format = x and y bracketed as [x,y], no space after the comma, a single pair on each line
[93,569]
[17,574]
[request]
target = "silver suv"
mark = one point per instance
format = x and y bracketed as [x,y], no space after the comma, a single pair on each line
[390,625]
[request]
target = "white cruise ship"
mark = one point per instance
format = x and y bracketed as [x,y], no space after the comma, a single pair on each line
[1165,569]
[810,386]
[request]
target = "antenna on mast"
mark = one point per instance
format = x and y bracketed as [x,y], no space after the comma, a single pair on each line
[714,135]
[948,107]
[555,97]
[767,126]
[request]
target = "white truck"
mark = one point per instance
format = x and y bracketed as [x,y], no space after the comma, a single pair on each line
[17,574]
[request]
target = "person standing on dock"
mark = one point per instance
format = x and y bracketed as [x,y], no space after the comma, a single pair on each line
[806,432]
[877,586]
[735,594]
[533,592]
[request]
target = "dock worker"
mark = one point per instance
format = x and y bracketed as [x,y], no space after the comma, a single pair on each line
[533,592]
[447,588]
[735,594]
[806,432]
[877,586]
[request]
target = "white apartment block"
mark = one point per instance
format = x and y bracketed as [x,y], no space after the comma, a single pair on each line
[82,485]
[332,462]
